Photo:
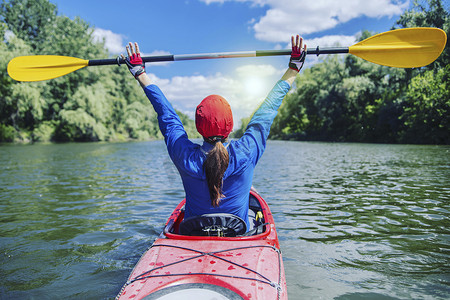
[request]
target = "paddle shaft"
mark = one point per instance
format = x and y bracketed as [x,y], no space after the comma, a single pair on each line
[161,58]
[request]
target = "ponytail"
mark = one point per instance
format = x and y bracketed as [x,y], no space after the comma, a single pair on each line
[215,165]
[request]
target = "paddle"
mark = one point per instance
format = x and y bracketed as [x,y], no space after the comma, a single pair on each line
[402,48]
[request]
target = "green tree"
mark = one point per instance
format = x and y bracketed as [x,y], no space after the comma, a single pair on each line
[361,101]
[379,107]
[425,104]
[14,101]
[29,20]
[430,14]
[92,104]
[316,110]
[426,118]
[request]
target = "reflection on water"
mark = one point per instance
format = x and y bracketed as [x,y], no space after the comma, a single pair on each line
[361,218]
[355,221]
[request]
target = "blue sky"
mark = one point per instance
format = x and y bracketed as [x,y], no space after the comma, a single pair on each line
[203,26]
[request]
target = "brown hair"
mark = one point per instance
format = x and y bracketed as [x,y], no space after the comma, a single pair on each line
[215,165]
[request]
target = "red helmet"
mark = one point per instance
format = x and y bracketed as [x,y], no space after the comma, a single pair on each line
[213,117]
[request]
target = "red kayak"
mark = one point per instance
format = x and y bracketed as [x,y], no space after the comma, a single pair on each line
[203,258]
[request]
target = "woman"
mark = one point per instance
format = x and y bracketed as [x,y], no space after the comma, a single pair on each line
[217,175]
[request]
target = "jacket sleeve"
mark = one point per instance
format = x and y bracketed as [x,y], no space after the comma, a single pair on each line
[169,122]
[258,128]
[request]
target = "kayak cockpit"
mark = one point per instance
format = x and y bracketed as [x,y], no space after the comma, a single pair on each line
[221,225]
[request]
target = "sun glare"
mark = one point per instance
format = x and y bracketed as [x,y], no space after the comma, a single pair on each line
[254,86]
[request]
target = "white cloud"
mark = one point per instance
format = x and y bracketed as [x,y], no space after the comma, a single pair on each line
[324,42]
[332,41]
[284,18]
[113,41]
[287,17]
[115,45]
[261,70]
[244,91]
[328,41]
[186,92]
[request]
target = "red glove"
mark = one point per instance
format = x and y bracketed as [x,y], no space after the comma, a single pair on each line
[298,54]
[134,60]
[135,64]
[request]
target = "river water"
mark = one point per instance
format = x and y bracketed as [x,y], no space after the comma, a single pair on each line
[355,221]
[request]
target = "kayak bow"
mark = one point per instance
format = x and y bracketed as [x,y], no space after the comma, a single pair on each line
[211,267]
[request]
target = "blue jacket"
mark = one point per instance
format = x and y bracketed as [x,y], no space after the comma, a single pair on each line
[244,153]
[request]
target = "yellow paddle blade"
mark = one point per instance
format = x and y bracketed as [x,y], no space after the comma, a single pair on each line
[43,67]
[402,48]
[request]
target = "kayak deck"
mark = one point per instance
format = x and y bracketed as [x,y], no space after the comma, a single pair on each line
[248,267]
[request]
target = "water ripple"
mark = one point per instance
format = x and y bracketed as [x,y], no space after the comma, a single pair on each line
[355,221]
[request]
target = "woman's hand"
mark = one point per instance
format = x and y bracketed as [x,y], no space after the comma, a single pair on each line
[136,65]
[134,60]
[298,54]
[297,59]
